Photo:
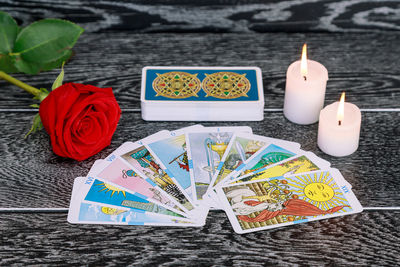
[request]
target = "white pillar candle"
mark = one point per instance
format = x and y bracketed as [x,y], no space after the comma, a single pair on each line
[338,134]
[305,90]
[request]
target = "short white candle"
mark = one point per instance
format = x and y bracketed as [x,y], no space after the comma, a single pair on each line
[339,134]
[305,90]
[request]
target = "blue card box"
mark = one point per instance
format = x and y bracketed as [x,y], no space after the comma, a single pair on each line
[202,94]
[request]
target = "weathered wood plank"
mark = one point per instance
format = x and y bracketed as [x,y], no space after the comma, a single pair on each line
[366,239]
[32,176]
[364,65]
[214,16]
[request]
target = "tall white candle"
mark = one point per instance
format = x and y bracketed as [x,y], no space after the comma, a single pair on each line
[305,90]
[339,129]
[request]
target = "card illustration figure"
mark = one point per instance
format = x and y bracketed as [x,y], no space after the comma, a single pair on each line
[240,149]
[206,150]
[172,153]
[287,200]
[263,158]
[121,174]
[297,165]
[101,192]
[141,159]
[94,213]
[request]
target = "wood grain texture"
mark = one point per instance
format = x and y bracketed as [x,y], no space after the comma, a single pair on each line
[363,65]
[366,239]
[215,16]
[31,176]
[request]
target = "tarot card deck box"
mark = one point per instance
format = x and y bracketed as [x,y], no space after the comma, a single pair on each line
[202,94]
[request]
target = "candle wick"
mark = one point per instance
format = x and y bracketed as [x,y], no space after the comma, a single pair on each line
[340,123]
[305,78]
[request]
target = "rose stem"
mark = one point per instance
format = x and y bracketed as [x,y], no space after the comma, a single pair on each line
[34,91]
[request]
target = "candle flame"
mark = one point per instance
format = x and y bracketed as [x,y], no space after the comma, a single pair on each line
[303,65]
[340,112]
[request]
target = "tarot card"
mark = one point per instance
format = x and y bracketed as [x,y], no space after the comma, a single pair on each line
[300,163]
[144,164]
[97,191]
[241,147]
[264,157]
[120,174]
[282,201]
[205,149]
[171,153]
[91,213]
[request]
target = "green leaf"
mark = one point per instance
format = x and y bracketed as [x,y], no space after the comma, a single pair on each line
[59,80]
[35,106]
[8,32]
[36,125]
[35,68]
[26,67]
[44,43]
[57,63]
[6,64]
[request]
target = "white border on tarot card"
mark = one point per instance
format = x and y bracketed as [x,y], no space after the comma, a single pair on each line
[71,217]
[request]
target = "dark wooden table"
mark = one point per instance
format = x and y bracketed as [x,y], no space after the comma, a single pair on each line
[35,184]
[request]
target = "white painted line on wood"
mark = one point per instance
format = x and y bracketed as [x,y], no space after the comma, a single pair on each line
[33,209]
[273,109]
[66,209]
[265,110]
[131,109]
[19,110]
[381,208]
[380,109]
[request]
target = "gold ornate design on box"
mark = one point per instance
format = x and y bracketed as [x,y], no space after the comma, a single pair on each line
[226,85]
[176,85]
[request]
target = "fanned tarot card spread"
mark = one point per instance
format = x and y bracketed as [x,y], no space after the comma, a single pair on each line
[173,178]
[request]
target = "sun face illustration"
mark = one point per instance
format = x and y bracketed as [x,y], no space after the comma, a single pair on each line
[107,187]
[318,189]
[319,192]
[111,211]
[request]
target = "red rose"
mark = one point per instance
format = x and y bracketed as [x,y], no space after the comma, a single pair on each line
[80,119]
